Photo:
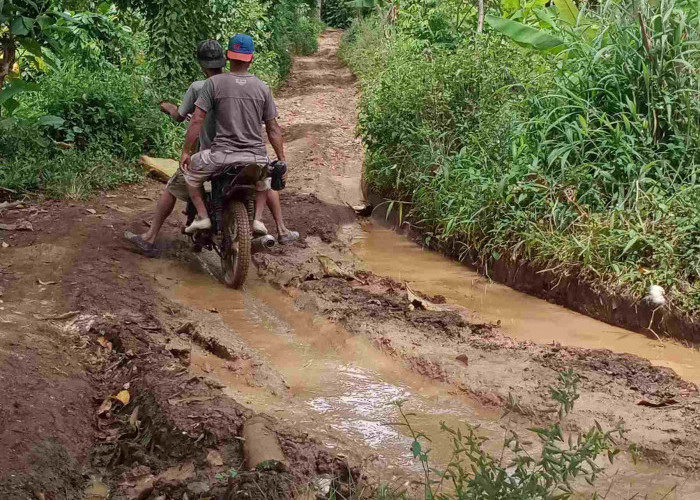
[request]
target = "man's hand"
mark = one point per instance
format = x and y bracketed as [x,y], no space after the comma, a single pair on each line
[185,161]
[284,176]
[169,109]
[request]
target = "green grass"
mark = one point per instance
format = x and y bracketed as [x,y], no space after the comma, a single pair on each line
[585,162]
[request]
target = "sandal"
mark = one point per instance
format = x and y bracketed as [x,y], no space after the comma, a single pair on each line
[145,247]
[288,237]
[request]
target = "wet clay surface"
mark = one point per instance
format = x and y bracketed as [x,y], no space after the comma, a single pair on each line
[316,341]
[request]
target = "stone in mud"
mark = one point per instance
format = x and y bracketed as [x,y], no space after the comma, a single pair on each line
[463,358]
[214,458]
[174,476]
[143,489]
[198,488]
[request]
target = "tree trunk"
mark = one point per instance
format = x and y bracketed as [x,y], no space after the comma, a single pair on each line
[7,46]
[480,25]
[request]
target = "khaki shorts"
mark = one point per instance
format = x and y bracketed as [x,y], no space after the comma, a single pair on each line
[208,163]
[177,186]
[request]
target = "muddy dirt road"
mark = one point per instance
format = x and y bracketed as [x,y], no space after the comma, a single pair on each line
[128,377]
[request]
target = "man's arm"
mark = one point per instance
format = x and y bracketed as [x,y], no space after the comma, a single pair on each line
[274,133]
[191,137]
[171,110]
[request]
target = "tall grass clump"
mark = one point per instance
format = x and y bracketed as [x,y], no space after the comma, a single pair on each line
[583,159]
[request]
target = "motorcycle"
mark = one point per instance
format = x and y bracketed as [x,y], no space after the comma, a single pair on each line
[231,208]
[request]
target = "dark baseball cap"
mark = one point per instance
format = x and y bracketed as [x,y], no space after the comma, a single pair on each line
[240,48]
[211,54]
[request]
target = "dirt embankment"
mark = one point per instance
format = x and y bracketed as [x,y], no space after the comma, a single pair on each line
[97,392]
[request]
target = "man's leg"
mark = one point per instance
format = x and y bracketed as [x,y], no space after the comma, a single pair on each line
[164,208]
[272,198]
[260,202]
[196,194]
[201,169]
[284,235]
[175,189]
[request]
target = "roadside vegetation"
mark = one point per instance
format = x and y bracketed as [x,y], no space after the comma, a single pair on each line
[563,134]
[553,469]
[80,81]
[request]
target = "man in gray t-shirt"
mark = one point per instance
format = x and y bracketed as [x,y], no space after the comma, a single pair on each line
[212,60]
[242,104]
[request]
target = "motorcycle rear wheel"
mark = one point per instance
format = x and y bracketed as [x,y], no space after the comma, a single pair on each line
[235,258]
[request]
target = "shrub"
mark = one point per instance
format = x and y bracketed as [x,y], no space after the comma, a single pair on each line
[111,108]
[337,13]
[586,161]
[31,162]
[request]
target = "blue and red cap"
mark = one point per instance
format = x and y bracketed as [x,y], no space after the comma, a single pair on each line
[240,48]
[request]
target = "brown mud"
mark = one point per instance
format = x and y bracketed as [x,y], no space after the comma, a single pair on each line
[316,341]
[568,288]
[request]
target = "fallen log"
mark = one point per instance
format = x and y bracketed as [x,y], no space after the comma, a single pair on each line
[261,448]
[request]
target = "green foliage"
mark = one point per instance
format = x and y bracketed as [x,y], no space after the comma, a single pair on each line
[36,163]
[517,473]
[175,28]
[85,86]
[111,107]
[585,161]
[337,13]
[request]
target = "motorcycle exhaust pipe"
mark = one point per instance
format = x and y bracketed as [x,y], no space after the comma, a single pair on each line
[262,243]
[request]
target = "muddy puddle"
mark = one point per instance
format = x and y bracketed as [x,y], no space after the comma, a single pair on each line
[522,316]
[342,390]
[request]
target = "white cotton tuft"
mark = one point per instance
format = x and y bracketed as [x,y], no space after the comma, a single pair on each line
[656,296]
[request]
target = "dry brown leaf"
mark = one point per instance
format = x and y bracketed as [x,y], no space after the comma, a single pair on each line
[104,343]
[24,225]
[124,397]
[96,491]
[105,406]
[133,419]
[214,458]
[122,210]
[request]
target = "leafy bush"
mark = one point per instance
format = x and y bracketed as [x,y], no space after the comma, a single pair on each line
[175,28]
[110,108]
[585,161]
[337,13]
[32,162]
[96,78]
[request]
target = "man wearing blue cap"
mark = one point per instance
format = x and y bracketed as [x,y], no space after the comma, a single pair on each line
[242,103]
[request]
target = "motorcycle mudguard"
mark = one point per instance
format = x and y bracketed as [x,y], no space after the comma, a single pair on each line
[239,192]
[250,174]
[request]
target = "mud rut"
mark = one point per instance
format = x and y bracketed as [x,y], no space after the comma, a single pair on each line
[316,342]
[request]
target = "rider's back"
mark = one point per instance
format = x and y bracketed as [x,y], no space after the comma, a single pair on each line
[241,103]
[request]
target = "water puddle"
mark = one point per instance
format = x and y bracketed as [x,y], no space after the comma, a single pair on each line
[522,316]
[340,385]
[342,389]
